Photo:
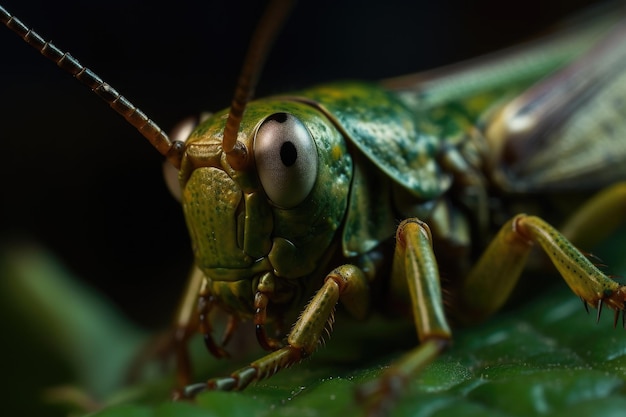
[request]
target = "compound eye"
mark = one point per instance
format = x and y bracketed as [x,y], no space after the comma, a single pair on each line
[286,159]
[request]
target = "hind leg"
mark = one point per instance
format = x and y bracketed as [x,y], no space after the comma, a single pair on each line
[492,279]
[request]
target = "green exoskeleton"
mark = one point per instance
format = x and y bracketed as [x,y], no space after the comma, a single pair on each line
[359,194]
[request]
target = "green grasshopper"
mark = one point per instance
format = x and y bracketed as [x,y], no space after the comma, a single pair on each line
[332,194]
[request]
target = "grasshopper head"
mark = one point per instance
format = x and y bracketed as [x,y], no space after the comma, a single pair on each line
[277,216]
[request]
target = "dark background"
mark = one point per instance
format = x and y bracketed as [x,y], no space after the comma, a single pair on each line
[76,179]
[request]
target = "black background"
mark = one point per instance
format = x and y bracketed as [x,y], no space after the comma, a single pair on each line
[79,181]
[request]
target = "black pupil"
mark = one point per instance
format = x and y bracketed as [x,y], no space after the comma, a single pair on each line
[288,154]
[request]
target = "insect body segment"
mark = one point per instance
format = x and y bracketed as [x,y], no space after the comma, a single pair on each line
[380,126]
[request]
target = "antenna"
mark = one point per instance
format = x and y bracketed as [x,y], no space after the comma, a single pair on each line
[260,45]
[150,130]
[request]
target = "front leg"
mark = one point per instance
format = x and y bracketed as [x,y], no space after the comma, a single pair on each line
[414,272]
[347,284]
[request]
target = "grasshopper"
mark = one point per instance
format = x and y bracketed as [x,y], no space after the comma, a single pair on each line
[269,243]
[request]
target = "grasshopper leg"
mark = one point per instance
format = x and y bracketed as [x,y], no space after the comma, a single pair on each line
[186,325]
[414,272]
[492,279]
[347,284]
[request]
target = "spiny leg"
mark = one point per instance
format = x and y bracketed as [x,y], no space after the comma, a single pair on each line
[601,215]
[346,283]
[414,271]
[492,279]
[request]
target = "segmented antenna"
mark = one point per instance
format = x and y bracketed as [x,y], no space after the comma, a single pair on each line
[134,116]
[260,45]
